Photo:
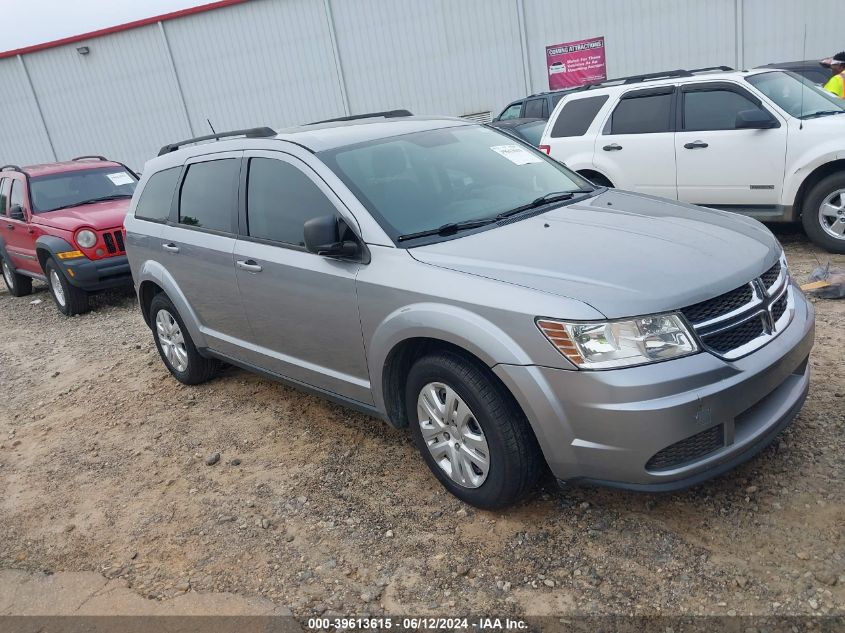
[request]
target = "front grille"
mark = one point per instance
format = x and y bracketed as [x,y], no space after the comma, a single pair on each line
[738,336]
[779,308]
[114,242]
[109,240]
[771,276]
[718,306]
[688,450]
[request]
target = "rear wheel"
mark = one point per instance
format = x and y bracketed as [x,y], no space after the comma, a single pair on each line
[69,299]
[175,345]
[471,433]
[823,213]
[18,285]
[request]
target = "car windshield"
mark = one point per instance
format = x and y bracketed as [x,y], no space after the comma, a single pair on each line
[424,180]
[799,96]
[72,188]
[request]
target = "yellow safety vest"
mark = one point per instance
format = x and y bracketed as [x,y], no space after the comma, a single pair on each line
[836,85]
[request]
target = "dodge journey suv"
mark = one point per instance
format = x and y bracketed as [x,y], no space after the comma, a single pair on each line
[454,281]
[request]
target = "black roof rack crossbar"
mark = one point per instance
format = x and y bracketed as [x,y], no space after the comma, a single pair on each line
[92,156]
[11,168]
[255,132]
[706,68]
[387,114]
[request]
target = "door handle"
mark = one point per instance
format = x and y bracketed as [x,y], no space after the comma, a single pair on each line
[249,265]
[696,145]
[613,147]
[172,248]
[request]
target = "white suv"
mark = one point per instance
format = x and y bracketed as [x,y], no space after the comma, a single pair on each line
[766,143]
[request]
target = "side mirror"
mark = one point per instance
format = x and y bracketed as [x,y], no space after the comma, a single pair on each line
[755,119]
[16,212]
[323,237]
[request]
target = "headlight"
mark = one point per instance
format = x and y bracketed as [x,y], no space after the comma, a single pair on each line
[609,344]
[86,238]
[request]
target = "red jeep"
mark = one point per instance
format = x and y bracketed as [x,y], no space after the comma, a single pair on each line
[63,223]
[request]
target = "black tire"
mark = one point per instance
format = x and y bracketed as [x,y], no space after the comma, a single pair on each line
[810,213]
[69,299]
[18,285]
[515,460]
[199,369]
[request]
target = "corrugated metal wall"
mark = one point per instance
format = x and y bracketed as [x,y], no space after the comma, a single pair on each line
[284,62]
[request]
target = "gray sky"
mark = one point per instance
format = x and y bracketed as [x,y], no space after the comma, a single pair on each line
[38,21]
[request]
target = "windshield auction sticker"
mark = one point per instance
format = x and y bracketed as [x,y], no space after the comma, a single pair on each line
[120,178]
[516,154]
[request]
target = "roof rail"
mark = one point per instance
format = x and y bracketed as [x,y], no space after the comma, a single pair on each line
[387,114]
[11,168]
[255,132]
[666,74]
[92,156]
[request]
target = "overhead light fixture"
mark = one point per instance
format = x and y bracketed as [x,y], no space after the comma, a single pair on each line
[83,50]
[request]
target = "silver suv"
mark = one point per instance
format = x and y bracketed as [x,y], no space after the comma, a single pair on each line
[445,277]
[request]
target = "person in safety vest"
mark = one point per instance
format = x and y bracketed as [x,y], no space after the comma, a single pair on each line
[836,84]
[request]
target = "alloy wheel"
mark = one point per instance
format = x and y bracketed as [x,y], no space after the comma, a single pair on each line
[452,435]
[7,275]
[832,214]
[57,288]
[171,340]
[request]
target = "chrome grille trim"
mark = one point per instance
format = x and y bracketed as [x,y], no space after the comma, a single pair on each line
[760,307]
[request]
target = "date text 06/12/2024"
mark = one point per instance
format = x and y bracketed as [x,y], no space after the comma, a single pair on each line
[411,623]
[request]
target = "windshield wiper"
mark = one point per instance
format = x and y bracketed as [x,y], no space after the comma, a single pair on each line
[815,115]
[555,196]
[116,196]
[448,229]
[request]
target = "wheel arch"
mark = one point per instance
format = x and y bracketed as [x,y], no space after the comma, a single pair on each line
[409,333]
[814,177]
[153,279]
[596,177]
[47,246]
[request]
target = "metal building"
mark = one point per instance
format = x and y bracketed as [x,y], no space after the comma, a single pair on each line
[126,91]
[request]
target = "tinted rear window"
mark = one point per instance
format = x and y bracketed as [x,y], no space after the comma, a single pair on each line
[155,200]
[576,115]
[208,195]
[535,109]
[642,115]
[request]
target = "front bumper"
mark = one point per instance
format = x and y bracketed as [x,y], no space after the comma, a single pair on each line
[609,426]
[97,274]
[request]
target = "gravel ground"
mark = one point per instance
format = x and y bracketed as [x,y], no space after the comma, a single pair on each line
[104,466]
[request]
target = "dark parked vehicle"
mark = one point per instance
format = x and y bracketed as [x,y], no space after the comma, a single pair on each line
[809,69]
[537,106]
[528,130]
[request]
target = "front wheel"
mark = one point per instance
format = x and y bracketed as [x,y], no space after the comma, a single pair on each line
[823,214]
[69,299]
[470,431]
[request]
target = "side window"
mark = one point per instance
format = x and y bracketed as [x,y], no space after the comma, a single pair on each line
[576,116]
[713,109]
[280,198]
[642,115]
[4,195]
[511,112]
[534,108]
[16,197]
[157,196]
[208,192]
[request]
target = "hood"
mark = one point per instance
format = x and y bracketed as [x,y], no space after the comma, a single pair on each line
[622,253]
[100,215]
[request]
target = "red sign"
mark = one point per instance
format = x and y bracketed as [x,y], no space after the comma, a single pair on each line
[575,64]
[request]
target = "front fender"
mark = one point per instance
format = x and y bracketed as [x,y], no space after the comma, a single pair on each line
[807,163]
[447,323]
[52,244]
[152,271]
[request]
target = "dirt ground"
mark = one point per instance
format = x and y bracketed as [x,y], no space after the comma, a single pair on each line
[326,511]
